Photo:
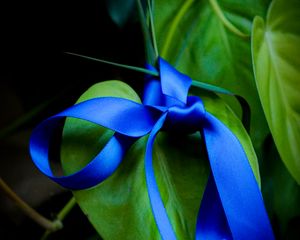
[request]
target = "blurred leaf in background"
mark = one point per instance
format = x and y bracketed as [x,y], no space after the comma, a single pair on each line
[281,194]
[121,11]
[276,51]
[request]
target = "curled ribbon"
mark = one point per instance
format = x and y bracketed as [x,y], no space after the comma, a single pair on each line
[232,206]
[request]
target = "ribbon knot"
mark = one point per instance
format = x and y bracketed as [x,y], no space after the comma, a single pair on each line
[232,205]
[185,119]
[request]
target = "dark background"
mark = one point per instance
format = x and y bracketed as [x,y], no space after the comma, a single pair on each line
[35,69]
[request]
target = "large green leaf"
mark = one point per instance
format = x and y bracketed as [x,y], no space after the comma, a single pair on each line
[119,207]
[276,51]
[203,48]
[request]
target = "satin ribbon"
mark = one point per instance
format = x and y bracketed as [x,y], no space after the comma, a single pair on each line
[232,205]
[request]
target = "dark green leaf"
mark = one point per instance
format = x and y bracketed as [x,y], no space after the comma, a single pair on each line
[119,207]
[276,51]
[281,193]
[202,47]
[120,10]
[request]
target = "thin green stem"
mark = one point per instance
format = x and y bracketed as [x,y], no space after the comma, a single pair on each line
[66,209]
[173,27]
[218,11]
[61,215]
[150,52]
[138,69]
[156,74]
[29,211]
[210,87]
[152,28]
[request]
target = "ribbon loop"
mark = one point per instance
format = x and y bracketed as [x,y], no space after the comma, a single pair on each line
[116,114]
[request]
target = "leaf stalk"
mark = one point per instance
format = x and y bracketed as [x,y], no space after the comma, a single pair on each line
[29,211]
[218,11]
[173,27]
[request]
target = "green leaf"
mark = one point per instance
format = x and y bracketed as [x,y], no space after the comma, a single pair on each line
[120,10]
[202,47]
[119,207]
[276,51]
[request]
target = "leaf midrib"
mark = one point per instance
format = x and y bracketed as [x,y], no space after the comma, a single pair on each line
[166,176]
[280,86]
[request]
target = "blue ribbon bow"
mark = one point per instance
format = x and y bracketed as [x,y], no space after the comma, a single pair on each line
[232,206]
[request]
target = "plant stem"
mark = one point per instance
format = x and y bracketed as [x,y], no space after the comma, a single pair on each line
[61,215]
[138,69]
[218,11]
[66,209]
[29,211]
[210,87]
[152,28]
[150,52]
[174,26]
